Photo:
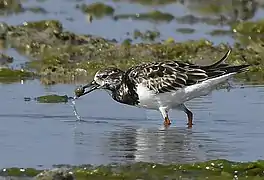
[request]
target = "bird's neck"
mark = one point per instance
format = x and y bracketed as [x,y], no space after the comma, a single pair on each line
[126,94]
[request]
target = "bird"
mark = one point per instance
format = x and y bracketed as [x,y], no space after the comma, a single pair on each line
[162,85]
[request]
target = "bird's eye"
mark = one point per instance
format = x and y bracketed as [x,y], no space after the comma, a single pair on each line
[104,76]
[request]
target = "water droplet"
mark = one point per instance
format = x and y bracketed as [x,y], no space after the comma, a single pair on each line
[74,108]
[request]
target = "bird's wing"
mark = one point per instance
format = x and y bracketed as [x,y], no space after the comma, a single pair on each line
[173,75]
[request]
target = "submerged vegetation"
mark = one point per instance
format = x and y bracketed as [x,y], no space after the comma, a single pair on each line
[151,16]
[214,169]
[149,2]
[53,98]
[185,30]
[10,75]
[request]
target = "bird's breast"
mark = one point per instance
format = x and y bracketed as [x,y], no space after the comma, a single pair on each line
[147,98]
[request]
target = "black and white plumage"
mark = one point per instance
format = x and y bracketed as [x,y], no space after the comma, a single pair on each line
[163,85]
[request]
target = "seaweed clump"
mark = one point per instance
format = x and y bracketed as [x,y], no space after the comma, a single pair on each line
[214,169]
[9,75]
[52,98]
[151,2]
[150,16]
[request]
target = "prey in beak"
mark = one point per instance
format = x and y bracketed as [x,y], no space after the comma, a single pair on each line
[80,91]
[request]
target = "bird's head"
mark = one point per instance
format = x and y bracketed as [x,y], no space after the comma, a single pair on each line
[109,79]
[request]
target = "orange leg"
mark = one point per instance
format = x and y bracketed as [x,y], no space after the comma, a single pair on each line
[190,118]
[189,115]
[164,112]
[167,122]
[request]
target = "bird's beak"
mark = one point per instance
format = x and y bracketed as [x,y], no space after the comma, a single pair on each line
[92,85]
[80,91]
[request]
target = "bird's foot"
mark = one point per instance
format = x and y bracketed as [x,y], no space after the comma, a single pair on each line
[189,124]
[167,122]
[190,119]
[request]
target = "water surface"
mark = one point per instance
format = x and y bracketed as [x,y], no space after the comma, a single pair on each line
[227,125]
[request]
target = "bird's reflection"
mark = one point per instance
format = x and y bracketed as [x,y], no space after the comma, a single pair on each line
[122,144]
[153,145]
[119,143]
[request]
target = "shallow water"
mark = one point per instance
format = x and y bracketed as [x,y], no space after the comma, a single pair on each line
[227,124]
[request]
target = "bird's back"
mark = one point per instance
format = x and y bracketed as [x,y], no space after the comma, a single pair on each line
[173,75]
[170,81]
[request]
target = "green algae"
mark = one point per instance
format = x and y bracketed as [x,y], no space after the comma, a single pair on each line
[150,2]
[37,10]
[52,98]
[10,75]
[150,16]
[19,172]
[98,9]
[192,19]
[185,30]
[221,169]
[221,32]
[214,169]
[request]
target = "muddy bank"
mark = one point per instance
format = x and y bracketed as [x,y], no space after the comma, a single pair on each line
[61,55]
[215,169]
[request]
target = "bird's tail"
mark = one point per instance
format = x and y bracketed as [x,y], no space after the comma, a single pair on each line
[237,69]
[216,64]
[220,65]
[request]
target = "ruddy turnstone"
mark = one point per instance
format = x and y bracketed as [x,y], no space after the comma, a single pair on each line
[162,85]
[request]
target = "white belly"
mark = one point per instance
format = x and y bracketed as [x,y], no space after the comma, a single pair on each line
[148,99]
